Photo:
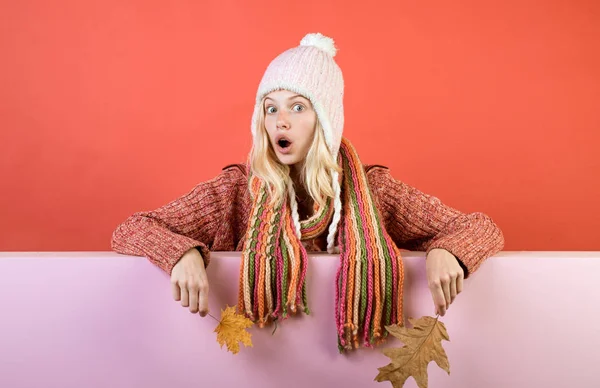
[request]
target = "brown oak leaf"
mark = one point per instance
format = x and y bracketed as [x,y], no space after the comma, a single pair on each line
[231,330]
[422,344]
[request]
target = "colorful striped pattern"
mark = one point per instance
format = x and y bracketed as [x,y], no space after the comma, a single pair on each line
[370,275]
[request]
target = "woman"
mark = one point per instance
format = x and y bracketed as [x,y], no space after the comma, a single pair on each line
[305,189]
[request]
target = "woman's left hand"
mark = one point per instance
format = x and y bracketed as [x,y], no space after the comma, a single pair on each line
[445,277]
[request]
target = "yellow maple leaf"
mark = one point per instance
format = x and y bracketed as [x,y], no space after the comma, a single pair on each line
[422,344]
[231,330]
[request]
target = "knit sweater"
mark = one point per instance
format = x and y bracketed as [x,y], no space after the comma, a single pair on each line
[213,216]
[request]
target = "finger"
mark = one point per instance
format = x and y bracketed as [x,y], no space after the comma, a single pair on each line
[441,305]
[459,283]
[446,288]
[203,301]
[185,301]
[452,289]
[438,299]
[193,295]
[175,291]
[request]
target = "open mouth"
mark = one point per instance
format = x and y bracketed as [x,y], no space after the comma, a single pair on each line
[284,143]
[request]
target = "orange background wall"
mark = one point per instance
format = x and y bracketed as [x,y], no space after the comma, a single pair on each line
[110,107]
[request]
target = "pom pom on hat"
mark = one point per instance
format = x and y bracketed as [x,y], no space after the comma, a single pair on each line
[321,42]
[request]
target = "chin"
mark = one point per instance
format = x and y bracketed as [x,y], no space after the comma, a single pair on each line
[288,160]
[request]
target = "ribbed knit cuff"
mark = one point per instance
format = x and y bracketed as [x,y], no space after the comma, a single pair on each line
[172,253]
[471,239]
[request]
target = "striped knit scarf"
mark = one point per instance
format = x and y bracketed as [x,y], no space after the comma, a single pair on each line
[370,275]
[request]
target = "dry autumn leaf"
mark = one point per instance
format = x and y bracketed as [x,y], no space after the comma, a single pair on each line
[422,344]
[231,330]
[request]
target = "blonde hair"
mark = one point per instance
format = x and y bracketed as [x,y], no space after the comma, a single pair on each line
[316,170]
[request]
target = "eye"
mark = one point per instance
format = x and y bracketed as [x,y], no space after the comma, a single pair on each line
[270,110]
[298,108]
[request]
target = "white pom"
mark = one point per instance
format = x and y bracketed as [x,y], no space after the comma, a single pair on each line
[321,42]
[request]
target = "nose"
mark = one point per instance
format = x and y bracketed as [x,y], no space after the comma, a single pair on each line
[283,121]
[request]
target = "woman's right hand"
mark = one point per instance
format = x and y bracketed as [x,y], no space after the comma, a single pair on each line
[190,283]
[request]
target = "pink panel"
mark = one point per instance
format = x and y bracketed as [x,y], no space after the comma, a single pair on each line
[73,320]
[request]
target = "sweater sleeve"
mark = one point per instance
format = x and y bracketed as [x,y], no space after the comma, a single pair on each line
[191,221]
[421,222]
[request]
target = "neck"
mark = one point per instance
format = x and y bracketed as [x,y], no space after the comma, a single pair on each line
[302,195]
[295,174]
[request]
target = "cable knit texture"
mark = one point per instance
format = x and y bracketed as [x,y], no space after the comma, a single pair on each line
[213,216]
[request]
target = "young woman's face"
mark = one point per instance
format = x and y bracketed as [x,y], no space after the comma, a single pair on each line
[290,121]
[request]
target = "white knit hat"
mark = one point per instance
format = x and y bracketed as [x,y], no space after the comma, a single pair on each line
[310,70]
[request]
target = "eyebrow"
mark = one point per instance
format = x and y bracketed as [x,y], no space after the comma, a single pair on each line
[290,98]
